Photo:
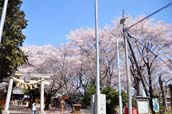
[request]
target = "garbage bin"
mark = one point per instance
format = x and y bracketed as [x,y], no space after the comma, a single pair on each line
[134,110]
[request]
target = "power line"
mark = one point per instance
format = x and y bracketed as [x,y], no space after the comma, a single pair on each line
[153,13]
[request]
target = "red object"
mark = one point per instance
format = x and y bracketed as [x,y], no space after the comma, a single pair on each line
[134,110]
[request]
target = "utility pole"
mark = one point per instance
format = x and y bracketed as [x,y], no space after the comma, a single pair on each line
[4,10]
[119,81]
[127,66]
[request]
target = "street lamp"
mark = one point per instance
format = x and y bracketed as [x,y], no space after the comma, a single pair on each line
[98,103]
[97,50]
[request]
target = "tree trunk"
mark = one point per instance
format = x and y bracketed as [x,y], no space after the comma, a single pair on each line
[137,86]
[47,101]
[163,96]
[30,103]
[170,87]
[151,94]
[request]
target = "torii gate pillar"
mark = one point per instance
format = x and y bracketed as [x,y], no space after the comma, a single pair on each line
[42,97]
[7,103]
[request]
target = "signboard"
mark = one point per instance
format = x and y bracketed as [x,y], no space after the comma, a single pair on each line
[155,104]
[143,106]
[27,78]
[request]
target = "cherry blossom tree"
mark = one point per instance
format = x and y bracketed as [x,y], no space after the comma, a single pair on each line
[73,65]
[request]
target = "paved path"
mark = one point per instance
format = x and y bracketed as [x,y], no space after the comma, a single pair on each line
[23,110]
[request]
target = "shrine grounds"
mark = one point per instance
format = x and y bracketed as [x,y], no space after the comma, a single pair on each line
[25,110]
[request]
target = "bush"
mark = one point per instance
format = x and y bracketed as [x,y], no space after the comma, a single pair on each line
[112,99]
[86,99]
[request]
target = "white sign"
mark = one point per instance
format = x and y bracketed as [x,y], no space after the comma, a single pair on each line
[155,104]
[143,106]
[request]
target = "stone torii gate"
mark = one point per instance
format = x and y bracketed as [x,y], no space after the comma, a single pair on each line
[26,83]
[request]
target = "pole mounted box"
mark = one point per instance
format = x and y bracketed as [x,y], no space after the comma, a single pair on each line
[98,104]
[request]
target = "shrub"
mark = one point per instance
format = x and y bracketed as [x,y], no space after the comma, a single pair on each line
[85,100]
[112,99]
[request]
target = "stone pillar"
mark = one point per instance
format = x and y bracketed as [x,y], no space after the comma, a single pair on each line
[42,97]
[7,102]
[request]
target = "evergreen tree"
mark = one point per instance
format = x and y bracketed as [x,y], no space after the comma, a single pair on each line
[11,55]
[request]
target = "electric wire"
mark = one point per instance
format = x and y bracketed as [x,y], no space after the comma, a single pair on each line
[166,6]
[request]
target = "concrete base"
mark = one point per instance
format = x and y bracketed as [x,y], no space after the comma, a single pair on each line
[5,112]
[42,112]
[99,108]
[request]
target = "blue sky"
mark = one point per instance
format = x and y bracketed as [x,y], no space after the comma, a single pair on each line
[49,21]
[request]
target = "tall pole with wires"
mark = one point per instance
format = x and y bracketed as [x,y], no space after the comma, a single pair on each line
[3,18]
[126,35]
[125,31]
[127,66]
[119,79]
